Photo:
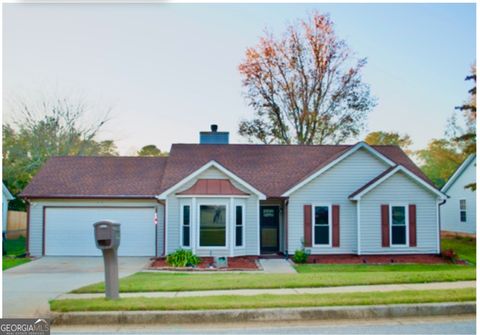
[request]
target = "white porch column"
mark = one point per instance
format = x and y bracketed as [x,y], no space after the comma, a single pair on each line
[231,226]
[194,225]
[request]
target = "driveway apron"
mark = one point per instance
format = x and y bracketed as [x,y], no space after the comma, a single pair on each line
[28,288]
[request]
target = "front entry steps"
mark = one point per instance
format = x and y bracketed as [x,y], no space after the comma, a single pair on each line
[276,265]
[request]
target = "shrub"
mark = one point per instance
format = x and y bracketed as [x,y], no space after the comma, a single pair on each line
[182,258]
[450,255]
[300,256]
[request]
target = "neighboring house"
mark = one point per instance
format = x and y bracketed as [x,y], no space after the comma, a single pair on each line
[6,197]
[238,199]
[458,214]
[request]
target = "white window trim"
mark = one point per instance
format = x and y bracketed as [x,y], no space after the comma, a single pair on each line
[235,226]
[329,245]
[227,224]
[462,210]
[407,225]
[182,225]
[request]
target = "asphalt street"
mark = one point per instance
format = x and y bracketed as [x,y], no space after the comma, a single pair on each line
[432,325]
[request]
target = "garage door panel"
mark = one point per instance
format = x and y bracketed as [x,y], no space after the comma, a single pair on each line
[69,231]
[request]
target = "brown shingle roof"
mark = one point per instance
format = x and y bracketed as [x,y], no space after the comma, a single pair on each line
[271,169]
[98,177]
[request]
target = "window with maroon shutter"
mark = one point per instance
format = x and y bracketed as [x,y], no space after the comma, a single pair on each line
[412,225]
[385,226]
[335,226]
[307,225]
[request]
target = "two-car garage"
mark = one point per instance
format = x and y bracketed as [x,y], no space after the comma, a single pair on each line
[68,231]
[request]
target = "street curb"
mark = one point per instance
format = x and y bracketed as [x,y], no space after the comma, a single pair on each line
[267,314]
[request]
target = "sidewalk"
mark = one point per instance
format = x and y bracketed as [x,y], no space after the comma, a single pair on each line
[317,290]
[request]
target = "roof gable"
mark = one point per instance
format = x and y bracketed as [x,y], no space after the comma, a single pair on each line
[334,160]
[385,175]
[202,169]
[459,171]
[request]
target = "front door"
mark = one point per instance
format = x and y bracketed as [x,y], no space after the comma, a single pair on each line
[269,229]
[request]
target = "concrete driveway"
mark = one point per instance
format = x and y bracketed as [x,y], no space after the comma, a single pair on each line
[28,288]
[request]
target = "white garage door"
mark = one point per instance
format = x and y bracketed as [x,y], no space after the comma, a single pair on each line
[69,231]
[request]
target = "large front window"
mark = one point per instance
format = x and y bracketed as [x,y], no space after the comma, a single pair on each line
[322,225]
[213,225]
[399,225]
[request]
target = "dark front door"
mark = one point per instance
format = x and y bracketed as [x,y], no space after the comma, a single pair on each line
[269,225]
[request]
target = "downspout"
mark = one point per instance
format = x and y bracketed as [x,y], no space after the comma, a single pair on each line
[439,226]
[27,244]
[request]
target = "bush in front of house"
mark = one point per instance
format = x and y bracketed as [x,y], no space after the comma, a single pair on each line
[450,255]
[182,258]
[300,256]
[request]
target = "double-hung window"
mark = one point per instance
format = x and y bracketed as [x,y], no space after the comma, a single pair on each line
[186,226]
[463,210]
[321,222]
[238,226]
[398,216]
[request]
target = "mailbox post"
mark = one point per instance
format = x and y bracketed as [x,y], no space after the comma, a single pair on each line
[107,239]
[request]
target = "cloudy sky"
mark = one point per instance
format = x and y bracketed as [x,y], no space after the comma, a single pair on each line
[167,71]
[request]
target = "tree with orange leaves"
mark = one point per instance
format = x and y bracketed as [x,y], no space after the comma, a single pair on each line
[305,87]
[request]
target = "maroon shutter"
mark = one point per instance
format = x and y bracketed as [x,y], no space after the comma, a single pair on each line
[412,225]
[336,226]
[307,225]
[385,226]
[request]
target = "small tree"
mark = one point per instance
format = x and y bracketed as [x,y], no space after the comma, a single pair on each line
[150,150]
[439,160]
[305,87]
[389,138]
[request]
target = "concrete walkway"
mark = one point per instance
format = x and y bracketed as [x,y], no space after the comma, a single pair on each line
[276,265]
[317,290]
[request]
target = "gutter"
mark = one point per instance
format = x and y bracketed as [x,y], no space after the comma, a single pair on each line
[439,226]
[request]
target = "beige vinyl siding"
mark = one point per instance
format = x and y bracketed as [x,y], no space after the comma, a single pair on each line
[333,187]
[251,230]
[37,207]
[398,189]
[450,211]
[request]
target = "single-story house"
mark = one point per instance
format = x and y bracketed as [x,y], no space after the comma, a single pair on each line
[6,198]
[458,215]
[223,199]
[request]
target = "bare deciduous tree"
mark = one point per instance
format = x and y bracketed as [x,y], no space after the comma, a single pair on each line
[305,87]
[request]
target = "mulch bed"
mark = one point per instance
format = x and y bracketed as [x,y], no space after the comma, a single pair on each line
[244,263]
[376,259]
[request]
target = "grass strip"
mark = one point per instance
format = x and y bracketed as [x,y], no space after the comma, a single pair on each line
[264,301]
[328,276]
[8,263]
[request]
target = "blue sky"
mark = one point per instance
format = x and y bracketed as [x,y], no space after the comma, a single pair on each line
[169,70]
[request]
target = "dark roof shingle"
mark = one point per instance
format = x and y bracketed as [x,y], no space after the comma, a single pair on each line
[98,177]
[271,169]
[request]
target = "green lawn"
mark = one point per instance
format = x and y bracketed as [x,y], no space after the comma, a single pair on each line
[324,275]
[465,247]
[8,262]
[264,301]
[14,248]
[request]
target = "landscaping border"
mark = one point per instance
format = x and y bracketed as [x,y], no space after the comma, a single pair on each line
[264,314]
